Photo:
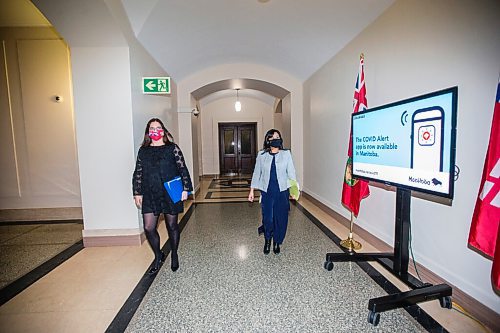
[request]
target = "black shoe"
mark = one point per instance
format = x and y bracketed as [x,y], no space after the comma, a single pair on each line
[155,267]
[175,262]
[276,248]
[267,246]
[157,264]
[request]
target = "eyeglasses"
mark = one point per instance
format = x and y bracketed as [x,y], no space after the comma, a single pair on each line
[156,129]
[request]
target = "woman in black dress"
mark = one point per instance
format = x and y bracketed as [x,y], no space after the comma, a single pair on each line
[159,160]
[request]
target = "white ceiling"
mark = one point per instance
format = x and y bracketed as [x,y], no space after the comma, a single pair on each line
[186,36]
[295,36]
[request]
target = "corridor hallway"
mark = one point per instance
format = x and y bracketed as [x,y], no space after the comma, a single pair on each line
[224,284]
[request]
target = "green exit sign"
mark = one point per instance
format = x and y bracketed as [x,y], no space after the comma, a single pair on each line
[156,85]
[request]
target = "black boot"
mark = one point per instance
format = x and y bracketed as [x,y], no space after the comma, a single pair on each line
[175,261]
[276,248]
[157,264]
[267,246]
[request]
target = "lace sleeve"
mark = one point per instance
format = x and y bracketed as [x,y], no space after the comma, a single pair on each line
[183,170]
[137,177]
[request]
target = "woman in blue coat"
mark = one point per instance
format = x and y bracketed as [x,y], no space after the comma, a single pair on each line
[272,174]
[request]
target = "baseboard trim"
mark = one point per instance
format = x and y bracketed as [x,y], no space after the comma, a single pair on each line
[96,238]
[196,191]
[481,312]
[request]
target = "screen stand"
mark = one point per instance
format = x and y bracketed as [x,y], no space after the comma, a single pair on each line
[396,263]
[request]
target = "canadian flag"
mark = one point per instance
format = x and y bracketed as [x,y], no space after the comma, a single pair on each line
[484,231]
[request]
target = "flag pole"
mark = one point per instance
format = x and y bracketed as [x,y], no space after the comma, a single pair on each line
[350,243]
[362,192]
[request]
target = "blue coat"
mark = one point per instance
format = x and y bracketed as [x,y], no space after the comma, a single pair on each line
[284,170]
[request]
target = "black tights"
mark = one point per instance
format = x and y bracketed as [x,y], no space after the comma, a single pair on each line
[150,228]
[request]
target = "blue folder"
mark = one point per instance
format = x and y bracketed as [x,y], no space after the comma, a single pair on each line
[174,188]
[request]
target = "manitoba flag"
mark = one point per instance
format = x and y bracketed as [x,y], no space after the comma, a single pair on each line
[484,231]
[353,190]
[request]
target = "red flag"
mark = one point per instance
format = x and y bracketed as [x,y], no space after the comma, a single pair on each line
[353,190]
[484,231]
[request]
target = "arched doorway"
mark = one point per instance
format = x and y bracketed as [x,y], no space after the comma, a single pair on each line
[229,139]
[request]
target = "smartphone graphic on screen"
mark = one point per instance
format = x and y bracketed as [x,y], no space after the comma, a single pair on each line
[427,139]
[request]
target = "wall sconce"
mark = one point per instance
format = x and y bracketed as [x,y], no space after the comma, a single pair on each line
[237,105]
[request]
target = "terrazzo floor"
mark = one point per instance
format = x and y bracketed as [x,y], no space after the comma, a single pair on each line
[26,246]
[226,284]
[95,287]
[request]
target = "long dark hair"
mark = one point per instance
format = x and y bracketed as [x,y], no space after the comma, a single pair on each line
[167,138]
[268,137]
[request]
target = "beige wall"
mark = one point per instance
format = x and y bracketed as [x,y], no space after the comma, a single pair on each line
[286,122]
[413,48]
[38,160]
[222,110]
[104,135]
[110,110]
[278,116]
[144,106]
[198,124]
[195,148]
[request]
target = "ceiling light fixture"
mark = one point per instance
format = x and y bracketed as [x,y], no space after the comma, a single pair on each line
[237,105]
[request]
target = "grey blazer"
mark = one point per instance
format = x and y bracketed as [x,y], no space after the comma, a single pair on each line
[284,170]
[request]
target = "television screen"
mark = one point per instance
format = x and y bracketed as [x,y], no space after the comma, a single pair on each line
[408,144]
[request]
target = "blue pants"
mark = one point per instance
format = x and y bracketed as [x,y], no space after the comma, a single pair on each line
[275,207]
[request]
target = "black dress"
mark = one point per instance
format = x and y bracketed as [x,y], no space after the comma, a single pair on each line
[156,165]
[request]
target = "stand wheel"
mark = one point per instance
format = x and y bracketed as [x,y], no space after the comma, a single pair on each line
[373,318]
[328,265]
[445,302]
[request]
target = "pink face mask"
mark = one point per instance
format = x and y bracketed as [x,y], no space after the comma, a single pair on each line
[156,135]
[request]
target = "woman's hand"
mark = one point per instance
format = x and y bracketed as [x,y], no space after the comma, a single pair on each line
[250,195]
[184,195]
[138,201]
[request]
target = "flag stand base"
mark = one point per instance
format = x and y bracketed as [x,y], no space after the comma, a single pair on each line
[351,244]
[396,263]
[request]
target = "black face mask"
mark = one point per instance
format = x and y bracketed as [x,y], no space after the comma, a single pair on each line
[276,143]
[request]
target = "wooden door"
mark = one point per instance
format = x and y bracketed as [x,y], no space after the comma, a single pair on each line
[237,142]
